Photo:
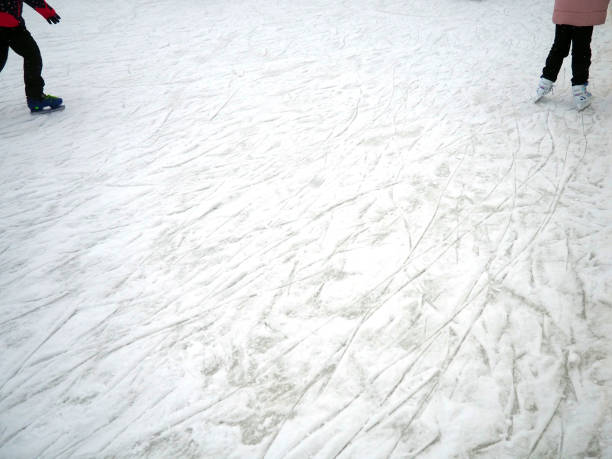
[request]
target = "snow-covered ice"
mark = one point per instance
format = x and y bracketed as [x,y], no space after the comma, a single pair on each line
[318,228]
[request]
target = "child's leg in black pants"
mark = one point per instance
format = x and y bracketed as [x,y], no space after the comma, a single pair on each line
[559,51]
[579,38]
[20,41]
[581,54]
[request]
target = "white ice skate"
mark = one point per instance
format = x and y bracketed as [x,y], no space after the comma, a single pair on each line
[582,97]
[544,88]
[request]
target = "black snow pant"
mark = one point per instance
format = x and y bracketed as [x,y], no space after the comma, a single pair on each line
[21,41]
[580,40]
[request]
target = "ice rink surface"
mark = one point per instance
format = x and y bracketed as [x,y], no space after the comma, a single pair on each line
[305,229]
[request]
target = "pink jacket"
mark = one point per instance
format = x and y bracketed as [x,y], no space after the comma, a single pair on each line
[580,12]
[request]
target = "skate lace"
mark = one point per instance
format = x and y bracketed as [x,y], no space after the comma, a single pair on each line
[583,94]
[545,89]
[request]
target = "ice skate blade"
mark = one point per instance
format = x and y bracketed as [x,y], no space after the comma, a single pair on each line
[46,111]
[581,109]
[538,98]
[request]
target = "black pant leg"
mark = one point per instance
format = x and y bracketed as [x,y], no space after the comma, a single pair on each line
[581,54]
[4,47]
[22,42]
[559,51]
[3,55]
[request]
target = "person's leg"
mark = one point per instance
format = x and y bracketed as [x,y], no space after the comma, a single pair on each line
[581,55]
[22,43]
[4,47]
[559,51]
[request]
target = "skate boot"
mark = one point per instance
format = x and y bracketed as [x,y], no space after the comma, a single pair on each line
[544,88]
[582,97]
[45,103]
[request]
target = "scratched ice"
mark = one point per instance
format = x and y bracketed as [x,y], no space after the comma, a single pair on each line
[280,229]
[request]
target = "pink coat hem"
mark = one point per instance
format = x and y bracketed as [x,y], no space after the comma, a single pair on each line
[581,12]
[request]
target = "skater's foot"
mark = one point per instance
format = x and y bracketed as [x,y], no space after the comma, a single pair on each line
[544,88]
[41,103]
[582,97]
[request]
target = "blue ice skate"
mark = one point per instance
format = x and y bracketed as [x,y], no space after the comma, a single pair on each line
[45,104]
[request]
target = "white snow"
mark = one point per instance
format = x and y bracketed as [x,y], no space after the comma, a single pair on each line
[305,229]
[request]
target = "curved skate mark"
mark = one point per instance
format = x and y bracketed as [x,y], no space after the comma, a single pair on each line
[354,115]
[120,376]
[154,135]
[249,186]
[180,419]
[133,421]
[322,425]
[421,407]
[389,278]
[438,377]
[469,297]
[53,220]
[176,418]
[560,189]
[117,346]
[45,452]
[484,446]
[6,440]
[538,309]
[512,407]
[368,426]
[571,263]
[31,354]
[227,101]
[391,97]
[425,447]
[351,237]
[495,211]
[546,426]
[511,167]
[349,341]
[570,389]
[31,311]
[191,149]
[322,374]
[270,363]
[431,219]
[352,199]
[71,449]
